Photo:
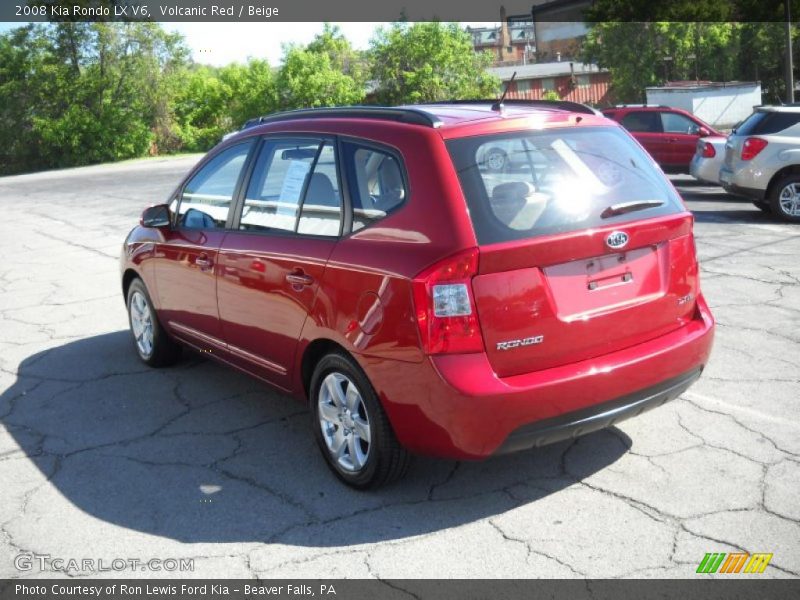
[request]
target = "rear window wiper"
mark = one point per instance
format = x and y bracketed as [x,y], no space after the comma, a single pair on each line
[626,207]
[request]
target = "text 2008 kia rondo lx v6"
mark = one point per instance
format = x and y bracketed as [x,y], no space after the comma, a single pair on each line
[365,261]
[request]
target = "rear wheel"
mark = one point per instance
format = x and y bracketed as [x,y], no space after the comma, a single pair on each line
[785,198]
[153,345]
[351,428]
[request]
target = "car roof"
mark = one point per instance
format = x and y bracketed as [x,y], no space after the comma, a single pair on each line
[436,115]
[790,108]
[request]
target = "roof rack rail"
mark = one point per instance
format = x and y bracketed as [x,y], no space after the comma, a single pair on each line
[640,106]
[410,115]
[557,104]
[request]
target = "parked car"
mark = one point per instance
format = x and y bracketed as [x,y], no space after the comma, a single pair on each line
[507,154]
[363,260]
[670,135]
[762,161]
[707,159]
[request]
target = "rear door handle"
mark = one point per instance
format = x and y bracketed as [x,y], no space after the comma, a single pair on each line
[204,262]
[299,279]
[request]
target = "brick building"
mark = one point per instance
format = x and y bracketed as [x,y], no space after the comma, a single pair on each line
[573,81]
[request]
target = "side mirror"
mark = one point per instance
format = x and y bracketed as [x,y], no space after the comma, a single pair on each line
[703,131]
[156,216]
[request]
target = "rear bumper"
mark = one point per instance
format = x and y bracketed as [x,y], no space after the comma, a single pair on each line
[455,406]
[599,416]
[743,182]
[738,190]
[705,169]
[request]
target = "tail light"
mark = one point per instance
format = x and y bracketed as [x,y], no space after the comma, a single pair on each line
[752,146]
[708,150]
[445,305]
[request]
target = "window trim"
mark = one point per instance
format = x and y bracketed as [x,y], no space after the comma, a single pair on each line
[386,149]
[321,139]
[248,159]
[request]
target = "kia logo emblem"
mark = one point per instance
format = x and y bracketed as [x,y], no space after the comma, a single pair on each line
[617,239]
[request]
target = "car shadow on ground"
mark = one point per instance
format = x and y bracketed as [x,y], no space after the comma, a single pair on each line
[200,453]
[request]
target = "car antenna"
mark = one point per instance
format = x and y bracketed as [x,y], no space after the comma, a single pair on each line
[498,106]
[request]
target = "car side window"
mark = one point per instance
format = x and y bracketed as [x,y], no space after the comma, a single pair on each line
[294,187]
[321,212]
[206,199]
[642,122]
[676,123]
[378,183]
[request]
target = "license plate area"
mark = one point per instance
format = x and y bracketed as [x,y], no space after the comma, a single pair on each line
[583,288]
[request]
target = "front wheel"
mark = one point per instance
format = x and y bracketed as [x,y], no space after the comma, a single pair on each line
[785,198]
[351,428]
[153,345]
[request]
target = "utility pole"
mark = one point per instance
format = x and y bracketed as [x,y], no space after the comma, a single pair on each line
[789,70]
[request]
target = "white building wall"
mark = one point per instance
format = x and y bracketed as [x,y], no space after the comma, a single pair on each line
[719,106]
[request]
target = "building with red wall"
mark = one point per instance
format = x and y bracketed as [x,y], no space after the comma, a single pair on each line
[574,81]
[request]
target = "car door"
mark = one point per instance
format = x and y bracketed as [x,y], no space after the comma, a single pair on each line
[185,262]
[270,264]
[681,134]
[646,127]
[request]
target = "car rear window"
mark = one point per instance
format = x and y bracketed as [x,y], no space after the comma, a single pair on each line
[558,180]
[766,122]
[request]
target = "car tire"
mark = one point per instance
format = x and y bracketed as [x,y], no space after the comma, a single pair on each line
[153,345]
[351,427]
[785,198]
[496,160]
[763,206]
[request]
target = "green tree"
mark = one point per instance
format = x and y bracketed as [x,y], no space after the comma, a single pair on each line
[251,90]
[427,62]
[308,79]
[341,53]
[20,61]
[200,109]
[645,54]
[79,93]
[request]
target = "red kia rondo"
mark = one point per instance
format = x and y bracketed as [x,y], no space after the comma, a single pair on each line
[366,261]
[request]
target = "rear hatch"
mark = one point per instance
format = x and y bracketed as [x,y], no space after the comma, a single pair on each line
[584,250]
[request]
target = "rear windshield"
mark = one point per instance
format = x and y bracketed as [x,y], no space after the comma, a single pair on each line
[766,122]
[531,183]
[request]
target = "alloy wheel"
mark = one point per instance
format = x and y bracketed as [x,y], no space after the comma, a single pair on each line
[789,200]
[142,323]
[344,422]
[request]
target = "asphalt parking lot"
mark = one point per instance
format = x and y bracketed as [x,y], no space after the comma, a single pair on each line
[102,458]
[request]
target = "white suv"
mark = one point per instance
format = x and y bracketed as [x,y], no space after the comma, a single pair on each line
[762,160]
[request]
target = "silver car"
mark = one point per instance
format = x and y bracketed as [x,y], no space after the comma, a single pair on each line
[762,161]
[707,159]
